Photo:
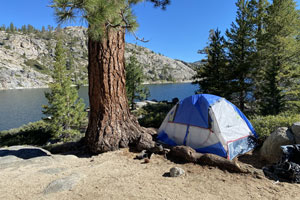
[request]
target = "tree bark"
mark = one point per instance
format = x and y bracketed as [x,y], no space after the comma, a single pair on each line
[111,125]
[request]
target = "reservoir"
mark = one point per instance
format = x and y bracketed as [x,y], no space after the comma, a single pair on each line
[18,107]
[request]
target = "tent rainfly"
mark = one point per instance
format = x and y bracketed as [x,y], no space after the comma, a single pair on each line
[208,124]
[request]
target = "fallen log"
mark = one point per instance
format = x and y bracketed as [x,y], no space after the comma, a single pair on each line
[188,154]
[185,154]
[220,162]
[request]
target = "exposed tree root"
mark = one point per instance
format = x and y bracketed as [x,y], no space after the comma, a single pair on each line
[188,154]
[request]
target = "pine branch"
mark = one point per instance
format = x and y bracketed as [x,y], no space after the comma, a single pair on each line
[128,26]
[139,39]
[160,3]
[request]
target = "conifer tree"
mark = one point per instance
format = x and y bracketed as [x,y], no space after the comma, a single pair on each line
[49,34]
[111,125]
[281,53]
[11,28]
[213,77]
[24,29]
[65,109]
[30,29]
[241,47]
[259,61]
[134,82]
[43,29]
[3,28]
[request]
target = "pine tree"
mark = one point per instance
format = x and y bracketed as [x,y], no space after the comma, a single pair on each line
[30,29]
[65,109]
[11,28]
[43,29]
[134,82]
[3,28]
[281,55]
[241,47]
[213,77]
[259,61]
[111,125]
[24,29]
[49,34]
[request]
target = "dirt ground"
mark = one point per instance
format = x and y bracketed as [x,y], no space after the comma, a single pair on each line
[117,175]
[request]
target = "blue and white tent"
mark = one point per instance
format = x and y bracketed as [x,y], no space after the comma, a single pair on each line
[208,124]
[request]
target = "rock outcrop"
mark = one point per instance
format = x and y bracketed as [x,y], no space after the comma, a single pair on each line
[15,50]
[158,67]
[26,59]
[22,157]
[296,130]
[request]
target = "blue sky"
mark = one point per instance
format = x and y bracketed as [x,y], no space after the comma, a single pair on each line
[177,32]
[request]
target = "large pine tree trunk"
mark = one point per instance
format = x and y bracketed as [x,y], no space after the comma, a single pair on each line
[111,125]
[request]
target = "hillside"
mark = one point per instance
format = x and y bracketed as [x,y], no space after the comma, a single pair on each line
[26,59]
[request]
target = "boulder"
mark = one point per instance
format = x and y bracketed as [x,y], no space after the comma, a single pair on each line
[176,171]
[296,131]
[270,151]
[63,184]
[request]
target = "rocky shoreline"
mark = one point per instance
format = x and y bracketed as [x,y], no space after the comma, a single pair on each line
[23,88]
[167,82]
[145,83]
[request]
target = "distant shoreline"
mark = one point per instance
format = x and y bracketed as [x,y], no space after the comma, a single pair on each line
[23,88]
[145,83]
[166,82]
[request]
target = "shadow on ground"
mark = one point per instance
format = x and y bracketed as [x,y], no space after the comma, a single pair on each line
[26,153]
[253,159]
[70,148]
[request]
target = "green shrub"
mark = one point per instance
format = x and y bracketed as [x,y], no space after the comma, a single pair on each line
[7,47]
[152,115]
[265,125]
[35,133]
[38,133]
[36,66]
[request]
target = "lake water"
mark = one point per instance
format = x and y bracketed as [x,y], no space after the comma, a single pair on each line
[18,107]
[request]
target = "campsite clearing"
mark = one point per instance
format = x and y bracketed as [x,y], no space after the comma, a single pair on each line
[116,175]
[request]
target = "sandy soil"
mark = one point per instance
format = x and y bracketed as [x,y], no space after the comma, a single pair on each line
[116,175]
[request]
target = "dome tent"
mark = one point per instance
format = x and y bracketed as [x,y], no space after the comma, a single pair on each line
[208,124]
